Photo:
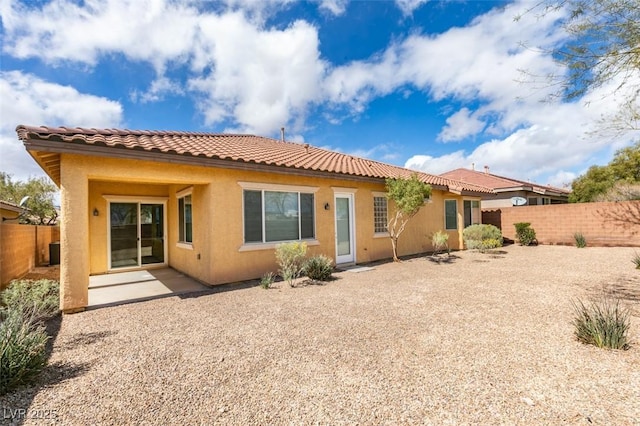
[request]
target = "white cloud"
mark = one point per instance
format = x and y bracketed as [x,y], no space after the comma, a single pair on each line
[29,100]
[408,6]
[461,125]
[336,7]
[157,91]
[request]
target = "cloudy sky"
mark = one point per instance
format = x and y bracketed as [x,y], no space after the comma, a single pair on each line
[430,85]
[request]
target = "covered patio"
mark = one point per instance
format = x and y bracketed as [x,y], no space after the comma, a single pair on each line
[135,286]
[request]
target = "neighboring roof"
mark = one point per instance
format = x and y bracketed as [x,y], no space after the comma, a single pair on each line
[7,205]
[224,150]
[502,184]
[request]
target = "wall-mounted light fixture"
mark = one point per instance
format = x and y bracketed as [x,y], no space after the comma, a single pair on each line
[96,212]
[327,206]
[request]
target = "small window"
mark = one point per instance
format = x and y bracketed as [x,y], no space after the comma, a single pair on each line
[546,201]
[533,201]
[379,214]
[185,220]
[472,214]
[451,214]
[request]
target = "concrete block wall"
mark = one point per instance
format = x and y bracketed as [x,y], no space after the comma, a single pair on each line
[23,247]
[602,224]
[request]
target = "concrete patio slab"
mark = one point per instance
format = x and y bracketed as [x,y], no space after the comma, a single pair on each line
[136,286]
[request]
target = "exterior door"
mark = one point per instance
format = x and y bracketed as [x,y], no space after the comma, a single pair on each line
[136,234]
[345,245]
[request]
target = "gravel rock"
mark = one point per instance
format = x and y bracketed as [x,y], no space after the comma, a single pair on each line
[467,339]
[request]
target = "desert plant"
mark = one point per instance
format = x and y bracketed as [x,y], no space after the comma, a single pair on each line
[440,242]
[525,234]
[22,348]
[38,299]
[290,258]
[603,323]
[482,237]
[581,241]
[267,280]
[636,260]
[319,267]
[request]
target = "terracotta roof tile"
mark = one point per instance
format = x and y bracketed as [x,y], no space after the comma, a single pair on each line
[496,182]
[236,147]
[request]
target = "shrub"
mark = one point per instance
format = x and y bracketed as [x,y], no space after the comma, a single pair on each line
[267,280]
[581,241]
[636,260]
[525,234]
[440,242]
[319,267]
[38,299]
[602,323]
[22,349]
[290,258]
[482,237]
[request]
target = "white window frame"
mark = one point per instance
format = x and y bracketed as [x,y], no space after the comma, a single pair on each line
[445,214]
[267,187]
[179,195]
[474,220]
[384,233]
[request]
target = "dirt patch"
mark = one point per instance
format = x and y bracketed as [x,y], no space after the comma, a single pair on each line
[44,273]
[480,339]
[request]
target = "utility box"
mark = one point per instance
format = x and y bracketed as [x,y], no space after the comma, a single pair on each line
[54,253]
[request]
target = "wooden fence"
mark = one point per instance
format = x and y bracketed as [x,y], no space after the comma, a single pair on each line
[23,247]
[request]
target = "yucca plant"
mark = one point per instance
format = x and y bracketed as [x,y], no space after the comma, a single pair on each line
[603,323]
[636,260]
[581,241]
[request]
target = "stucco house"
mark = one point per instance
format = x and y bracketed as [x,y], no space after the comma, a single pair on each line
[504,189]
[214,206]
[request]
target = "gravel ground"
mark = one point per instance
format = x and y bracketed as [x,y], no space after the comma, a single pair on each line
[475,338]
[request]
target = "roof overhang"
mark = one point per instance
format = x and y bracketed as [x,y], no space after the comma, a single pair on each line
[48,153]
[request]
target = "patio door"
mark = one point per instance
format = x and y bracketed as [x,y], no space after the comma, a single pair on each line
[345,245]
[136,234]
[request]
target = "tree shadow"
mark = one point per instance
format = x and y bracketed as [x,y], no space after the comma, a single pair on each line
[442,259]
[625,214]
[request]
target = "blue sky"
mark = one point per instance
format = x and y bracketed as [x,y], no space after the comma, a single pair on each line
[430,85]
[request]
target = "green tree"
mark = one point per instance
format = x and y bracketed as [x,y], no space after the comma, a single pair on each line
[615,181]
[603,47]
[40,192]
[408,197]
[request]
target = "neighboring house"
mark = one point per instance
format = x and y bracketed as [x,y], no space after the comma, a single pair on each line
[11,212]
[504,189]
[214,206]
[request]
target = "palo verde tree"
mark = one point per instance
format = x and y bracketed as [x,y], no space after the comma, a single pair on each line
[602,47]
[40,192]
[408,197]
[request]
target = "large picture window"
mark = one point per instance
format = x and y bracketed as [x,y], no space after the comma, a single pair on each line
[379,214]
[451,214]
[271,216]
[185,219]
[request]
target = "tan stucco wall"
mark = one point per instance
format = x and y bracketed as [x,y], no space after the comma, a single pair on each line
[215,256]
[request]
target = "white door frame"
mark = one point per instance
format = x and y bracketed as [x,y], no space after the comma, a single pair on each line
[137,200]
[351,257]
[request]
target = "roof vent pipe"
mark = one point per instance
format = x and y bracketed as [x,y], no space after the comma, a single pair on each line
[486,169]
[282,133]
[473,166]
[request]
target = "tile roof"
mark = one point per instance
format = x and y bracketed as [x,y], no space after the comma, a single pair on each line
[498,183]
[237,148]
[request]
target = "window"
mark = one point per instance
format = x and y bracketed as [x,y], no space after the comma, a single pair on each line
[379,214]
[471,212]
[451,214]
[278,216]
[546,201]
[185,219]
[533,201]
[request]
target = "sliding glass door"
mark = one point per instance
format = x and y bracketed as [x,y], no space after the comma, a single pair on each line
[136,234]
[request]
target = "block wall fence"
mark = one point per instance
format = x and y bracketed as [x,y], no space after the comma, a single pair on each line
[602,224]
[23,247]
